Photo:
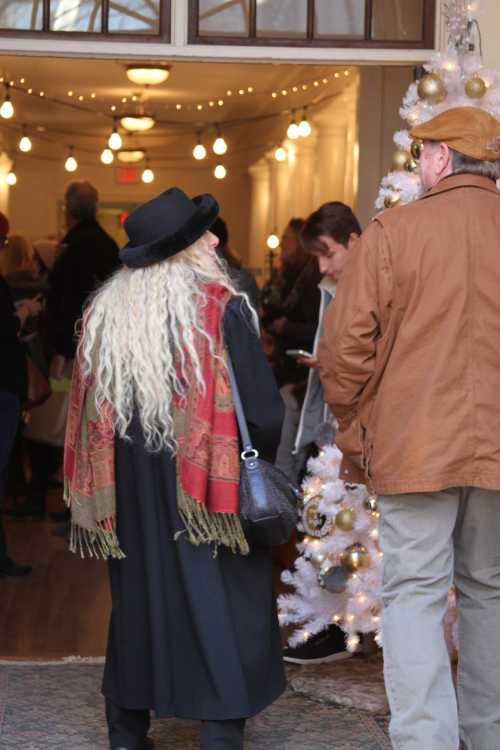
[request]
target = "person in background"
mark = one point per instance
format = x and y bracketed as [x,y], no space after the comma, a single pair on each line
[290,311]
[19,269]
[13,387]
[152,477]
[410,364]
[329,234]
[87,257]
[243,279]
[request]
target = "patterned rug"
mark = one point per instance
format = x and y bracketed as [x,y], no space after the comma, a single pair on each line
[59,707]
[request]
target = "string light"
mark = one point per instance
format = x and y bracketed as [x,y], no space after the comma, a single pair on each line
[293,131]
[199,151]
[280,154]
[107,156]
[11,178]
[71,164]
[219,146]
[115,140]
[25,144]
[304,126]
[7,108]
[220,172]
[148,175]
[273,241]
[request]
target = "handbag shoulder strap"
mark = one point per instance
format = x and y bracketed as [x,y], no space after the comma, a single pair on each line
[238,407]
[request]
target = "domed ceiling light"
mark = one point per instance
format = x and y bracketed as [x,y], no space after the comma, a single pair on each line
[148,75]
[137,123]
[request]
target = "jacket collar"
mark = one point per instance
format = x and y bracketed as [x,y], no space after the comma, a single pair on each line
[454,181]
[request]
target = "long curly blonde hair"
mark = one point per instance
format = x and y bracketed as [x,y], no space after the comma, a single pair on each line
[139,336]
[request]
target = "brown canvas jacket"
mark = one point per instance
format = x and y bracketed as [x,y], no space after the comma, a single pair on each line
[410,357]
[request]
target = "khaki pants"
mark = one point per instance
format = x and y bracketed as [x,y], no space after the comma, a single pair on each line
[430,541]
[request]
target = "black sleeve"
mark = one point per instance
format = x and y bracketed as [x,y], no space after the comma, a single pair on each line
[259,393]
[10,323]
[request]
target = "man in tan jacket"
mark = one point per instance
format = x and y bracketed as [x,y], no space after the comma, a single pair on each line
[410,364]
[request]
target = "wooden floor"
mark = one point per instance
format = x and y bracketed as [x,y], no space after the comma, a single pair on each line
[62,608]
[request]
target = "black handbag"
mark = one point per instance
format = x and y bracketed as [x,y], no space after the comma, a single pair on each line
[268,500]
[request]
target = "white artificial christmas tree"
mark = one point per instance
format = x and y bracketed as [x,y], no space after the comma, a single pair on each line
[337,577]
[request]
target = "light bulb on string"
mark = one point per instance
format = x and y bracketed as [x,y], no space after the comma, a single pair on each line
[115,140]
[11,178]
[7,108]
[273,241]
[293,131]
[220,171]
[280,154]
[219,146]
[199,151]
[25,144]
[148,175]
[107,156]
[71,164]
[304,126]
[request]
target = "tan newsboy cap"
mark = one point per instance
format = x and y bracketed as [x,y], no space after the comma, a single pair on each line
[469,130]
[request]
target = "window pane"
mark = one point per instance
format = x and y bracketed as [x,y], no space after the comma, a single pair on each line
[343,18]
[134,16]
[229,18]
[282,18]
[398,20]
[21,14]
[75,15]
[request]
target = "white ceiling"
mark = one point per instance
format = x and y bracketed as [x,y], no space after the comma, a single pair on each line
[251,122]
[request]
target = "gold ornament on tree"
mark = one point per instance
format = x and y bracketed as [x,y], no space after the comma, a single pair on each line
[399,159]
[475,88]
[391,200]
[315,523]
[355,557]
[345,519]
[370,504]
[411,165]
[416,148]
[317,558]
[431,88]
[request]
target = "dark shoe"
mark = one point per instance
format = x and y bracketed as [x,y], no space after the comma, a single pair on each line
[148,744]
[60,516]
[329,645]
[9,568]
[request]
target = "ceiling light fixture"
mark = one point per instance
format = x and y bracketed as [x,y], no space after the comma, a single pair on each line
[219,146]
[11,178]
[130,155]
[115,139]
[107,156]
[148,75]
[220,171]
[7,108]
[137,123]
[25,144]
[71,164]
[199,151]
[148,175]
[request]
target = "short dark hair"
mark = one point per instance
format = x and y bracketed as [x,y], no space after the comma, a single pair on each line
[335,220]
[296,224]
[81,200]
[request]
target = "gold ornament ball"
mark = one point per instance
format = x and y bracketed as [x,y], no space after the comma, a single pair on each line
[391,200]
[411,165]
[416,148]
[399,159]
[317,559]
[345,519]
[431,88]
[475,88]
[370,504]
[355,557]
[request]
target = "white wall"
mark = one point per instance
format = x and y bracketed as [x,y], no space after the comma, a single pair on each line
[41,184]
[489,21]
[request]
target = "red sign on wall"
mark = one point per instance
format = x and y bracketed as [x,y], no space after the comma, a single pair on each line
[127,175]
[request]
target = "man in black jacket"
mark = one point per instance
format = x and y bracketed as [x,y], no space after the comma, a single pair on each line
[88,256]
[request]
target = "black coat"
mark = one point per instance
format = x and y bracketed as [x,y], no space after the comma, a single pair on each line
[88,257]
[13,375]
[193,635]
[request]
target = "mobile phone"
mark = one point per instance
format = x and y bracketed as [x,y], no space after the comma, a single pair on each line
[296,353]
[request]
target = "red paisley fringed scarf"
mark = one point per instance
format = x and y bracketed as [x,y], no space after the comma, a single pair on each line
[207,456]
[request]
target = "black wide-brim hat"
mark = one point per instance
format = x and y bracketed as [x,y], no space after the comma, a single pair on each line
[166,225]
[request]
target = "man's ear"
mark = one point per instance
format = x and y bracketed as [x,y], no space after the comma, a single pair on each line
[353,238]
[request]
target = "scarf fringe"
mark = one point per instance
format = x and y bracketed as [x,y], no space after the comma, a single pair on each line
[204,527]
[99,542]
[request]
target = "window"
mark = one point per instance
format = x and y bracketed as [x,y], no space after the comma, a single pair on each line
[133,18]
[346,23]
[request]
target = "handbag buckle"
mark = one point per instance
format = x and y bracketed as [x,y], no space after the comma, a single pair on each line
[249,453]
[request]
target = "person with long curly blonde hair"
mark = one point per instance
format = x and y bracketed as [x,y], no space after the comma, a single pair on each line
[152,481]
